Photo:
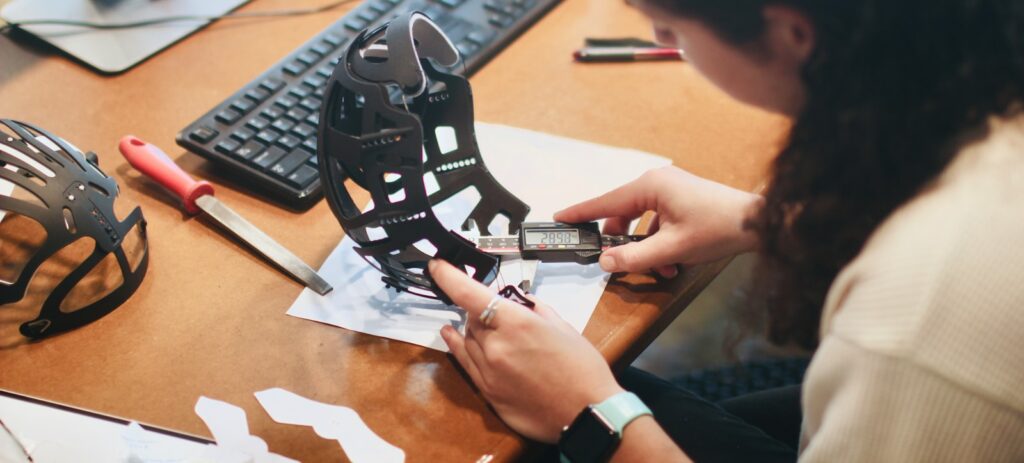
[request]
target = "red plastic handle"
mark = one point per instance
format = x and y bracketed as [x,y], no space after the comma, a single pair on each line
[153,162]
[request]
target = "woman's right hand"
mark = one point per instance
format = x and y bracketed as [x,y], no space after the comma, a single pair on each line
[696,221]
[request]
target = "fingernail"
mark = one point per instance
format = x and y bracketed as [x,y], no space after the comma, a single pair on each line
[608,263]
[432,264]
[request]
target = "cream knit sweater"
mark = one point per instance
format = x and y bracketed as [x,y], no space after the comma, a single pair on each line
[922,352]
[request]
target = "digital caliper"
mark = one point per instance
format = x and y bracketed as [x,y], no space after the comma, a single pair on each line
[581,243]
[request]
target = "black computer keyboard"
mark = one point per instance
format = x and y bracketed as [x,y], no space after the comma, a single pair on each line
[265,134]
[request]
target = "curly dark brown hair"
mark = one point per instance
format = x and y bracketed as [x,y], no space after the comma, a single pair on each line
[894,89]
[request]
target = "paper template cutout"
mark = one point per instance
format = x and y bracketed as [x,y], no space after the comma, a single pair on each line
[548,173]
[230,429]
[335,422]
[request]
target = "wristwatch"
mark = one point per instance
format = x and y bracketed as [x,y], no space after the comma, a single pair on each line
[596,432]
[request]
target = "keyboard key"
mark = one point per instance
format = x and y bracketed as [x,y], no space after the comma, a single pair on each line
[303,176]
[304,130]
[334,39]
[312,161]
[268,136]
[297,114]
[289,163]
[257,123]
[227,146]
[203,134]
[500,20]
[380,6]
[227,116]
[249,150]
[257,94]
[300,91]
[272,112]
[271,85]
[325,71]
[289,142]
[243,135]
[283,124]
[369,15]
[310,144]
[243,105]
[268,157]
[356,24]
[502,8]
[286,101]
[322,48]
[314,119]
[294,68]
[311,103]
[308,58]
[481,36]
[315,81]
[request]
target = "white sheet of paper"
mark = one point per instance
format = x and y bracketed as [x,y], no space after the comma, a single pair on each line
[55,435]
[230,429]
[335,422]
[547,172]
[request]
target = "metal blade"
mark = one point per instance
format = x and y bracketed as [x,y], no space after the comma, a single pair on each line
[529,275]
[266,245]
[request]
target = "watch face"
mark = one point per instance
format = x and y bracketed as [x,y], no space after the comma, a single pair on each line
[588,438]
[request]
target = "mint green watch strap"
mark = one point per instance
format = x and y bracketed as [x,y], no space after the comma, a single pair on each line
[616,412]
[621,409]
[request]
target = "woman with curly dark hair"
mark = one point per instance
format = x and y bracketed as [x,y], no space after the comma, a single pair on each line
[891,238]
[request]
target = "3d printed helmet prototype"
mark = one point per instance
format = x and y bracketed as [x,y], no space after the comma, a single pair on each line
[71,198]
[379,123]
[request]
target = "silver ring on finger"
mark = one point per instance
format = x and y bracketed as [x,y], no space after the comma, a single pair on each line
[487,316]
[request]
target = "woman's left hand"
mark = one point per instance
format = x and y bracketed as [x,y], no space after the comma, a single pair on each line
[536,371]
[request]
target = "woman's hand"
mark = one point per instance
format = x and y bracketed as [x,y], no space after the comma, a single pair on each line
[696,221]
[536,371]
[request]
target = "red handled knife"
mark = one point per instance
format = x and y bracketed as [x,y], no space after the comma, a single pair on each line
[197,196]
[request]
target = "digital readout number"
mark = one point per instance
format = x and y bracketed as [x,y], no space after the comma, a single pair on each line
[552,237]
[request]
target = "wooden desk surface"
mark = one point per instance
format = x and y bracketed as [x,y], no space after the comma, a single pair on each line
[209,318]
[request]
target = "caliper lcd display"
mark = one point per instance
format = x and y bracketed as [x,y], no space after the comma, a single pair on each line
[552,237]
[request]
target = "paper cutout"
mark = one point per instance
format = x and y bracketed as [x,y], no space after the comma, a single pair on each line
[548,173]
[335,422]
[230,429]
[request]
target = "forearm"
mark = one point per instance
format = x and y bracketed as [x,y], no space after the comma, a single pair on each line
[643,440]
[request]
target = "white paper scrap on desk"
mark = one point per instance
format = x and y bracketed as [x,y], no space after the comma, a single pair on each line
[334,422]
[53,434]
[230,429]
[547,172]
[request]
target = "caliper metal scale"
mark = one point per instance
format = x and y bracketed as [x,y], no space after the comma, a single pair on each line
[580,243]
